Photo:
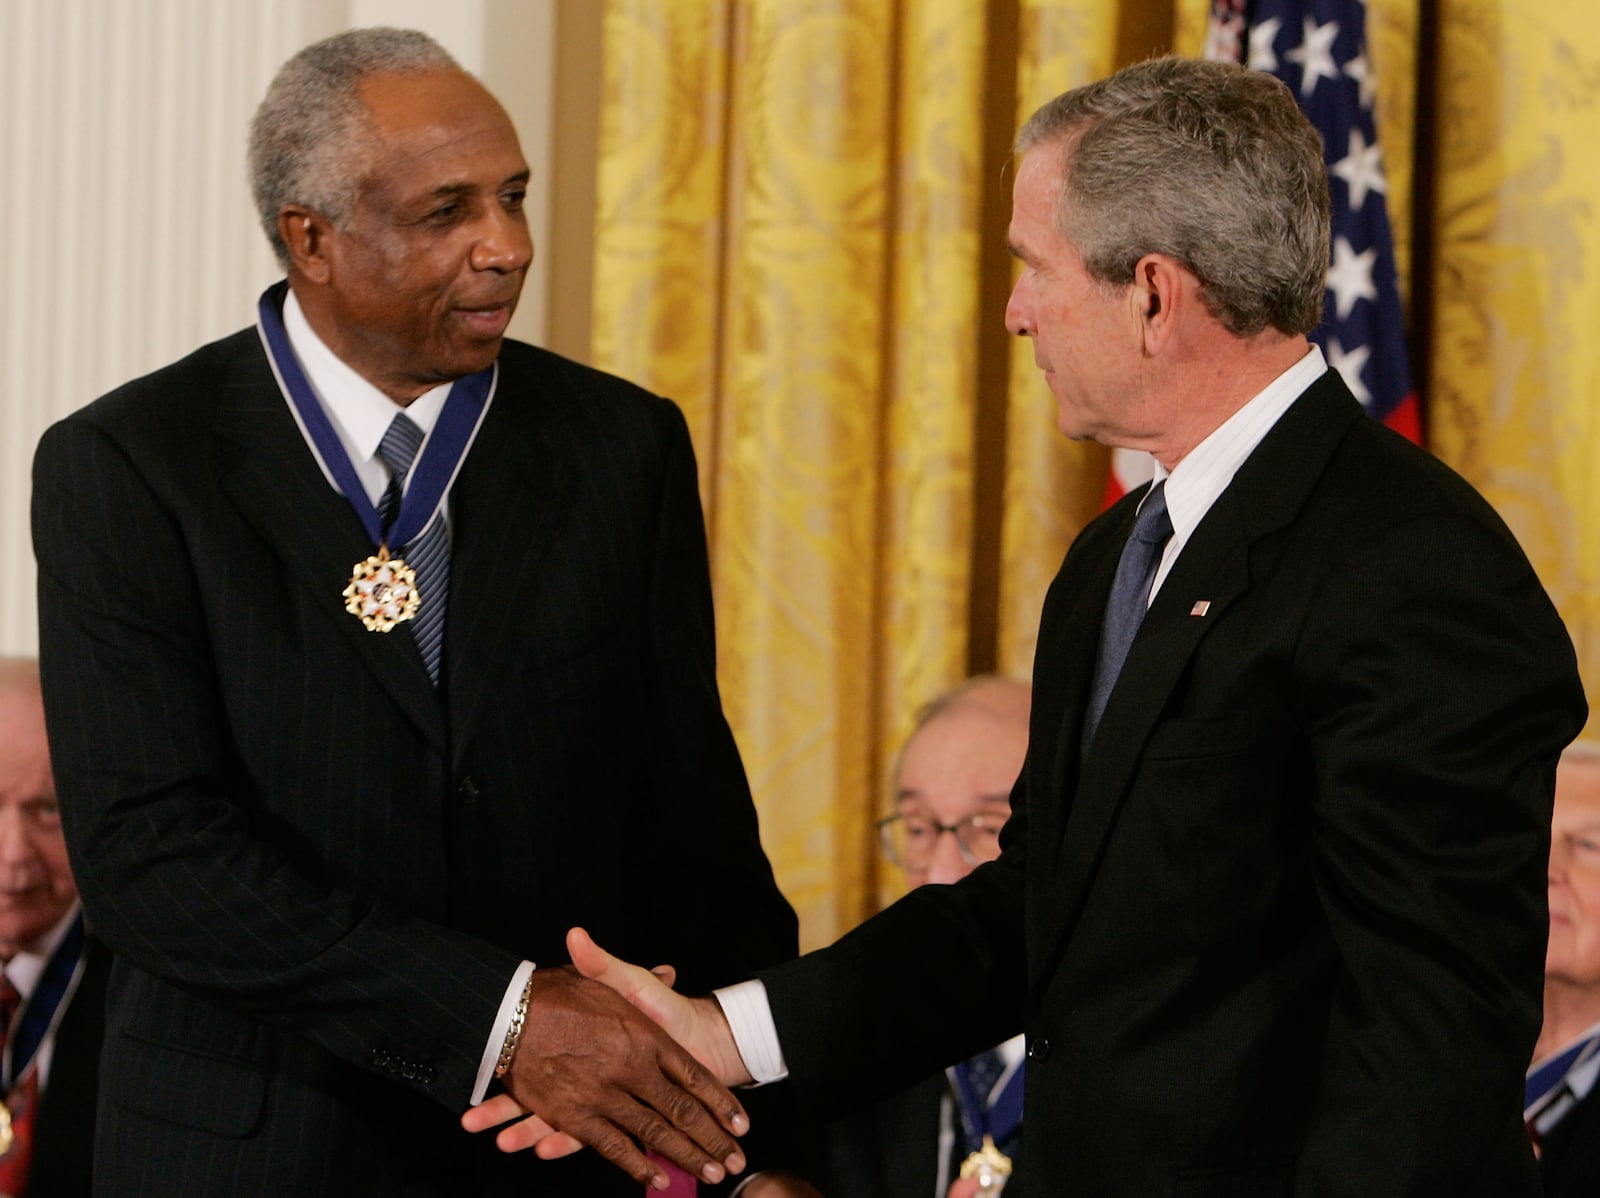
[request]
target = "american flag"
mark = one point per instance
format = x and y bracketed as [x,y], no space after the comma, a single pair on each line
[1319,48]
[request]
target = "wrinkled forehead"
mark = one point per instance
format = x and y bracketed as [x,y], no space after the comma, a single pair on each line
[434,130]
[421,110]
[21,714]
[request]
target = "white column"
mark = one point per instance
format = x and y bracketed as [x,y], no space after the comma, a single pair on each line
[129,236]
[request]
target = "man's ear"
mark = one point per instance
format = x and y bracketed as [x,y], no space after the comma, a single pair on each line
[1156,295]
[305,234]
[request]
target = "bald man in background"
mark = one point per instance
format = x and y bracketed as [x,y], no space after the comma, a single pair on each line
[52,999]
[952,791]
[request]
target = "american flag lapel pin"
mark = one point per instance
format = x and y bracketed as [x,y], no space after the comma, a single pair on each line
[1200,608]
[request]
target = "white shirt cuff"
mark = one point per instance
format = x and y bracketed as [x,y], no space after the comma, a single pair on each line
[502,1024]
[749,1016]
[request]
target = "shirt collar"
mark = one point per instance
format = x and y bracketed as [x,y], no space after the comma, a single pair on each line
[1207,469]
[26,967]
[360,412]
[1581,1077]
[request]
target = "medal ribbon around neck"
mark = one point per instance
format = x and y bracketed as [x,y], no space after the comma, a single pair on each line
[1546,1097]
[43,1007]
[999,1121]
[428,481]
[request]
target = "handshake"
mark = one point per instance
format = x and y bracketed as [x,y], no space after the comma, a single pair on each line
[612,1058]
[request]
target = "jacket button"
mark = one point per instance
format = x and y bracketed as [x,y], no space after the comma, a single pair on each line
[1038,1049]
[468,791]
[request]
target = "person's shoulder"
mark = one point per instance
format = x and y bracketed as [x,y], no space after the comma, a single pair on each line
[541,384]
[178,392]
[1363,476]
[531,366]
[1402,481]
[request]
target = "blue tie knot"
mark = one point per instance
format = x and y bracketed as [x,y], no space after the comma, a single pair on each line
[399,446]
[1152,525]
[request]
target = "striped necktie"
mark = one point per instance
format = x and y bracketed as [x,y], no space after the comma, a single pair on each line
[429,553]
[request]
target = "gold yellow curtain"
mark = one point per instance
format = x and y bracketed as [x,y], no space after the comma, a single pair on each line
[1514,340]
[801,238]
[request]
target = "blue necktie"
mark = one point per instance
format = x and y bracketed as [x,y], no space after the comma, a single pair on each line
[429,554]
[983,1073]
[1130,598]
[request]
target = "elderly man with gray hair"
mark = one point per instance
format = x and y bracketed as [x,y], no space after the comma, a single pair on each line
[1270,906]
[377,650]
[52,972]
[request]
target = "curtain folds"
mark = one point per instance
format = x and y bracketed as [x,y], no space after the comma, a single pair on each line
[800,237]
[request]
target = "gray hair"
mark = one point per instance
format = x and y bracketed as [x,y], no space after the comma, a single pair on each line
[306,136]
[1207,162]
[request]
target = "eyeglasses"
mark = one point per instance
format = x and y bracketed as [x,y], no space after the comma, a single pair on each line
[910,841]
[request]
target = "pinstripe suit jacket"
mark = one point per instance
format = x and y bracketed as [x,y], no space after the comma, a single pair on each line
[317,872]
[1281,930]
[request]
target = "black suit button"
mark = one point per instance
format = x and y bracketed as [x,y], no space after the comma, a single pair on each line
[468,791]
[1038,1049]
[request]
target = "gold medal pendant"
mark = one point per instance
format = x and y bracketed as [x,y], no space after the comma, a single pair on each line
[382,592]
[990,1166]
[6,1133]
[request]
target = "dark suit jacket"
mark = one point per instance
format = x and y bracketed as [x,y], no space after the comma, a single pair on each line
[1569,1163]
[890,1149]
[1283,932]
[63,1128]
[317,872]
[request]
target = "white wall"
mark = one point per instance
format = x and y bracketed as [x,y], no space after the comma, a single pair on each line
[129,236]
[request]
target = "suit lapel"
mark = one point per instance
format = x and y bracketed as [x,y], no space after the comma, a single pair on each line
[1214,569]
[282,494]
[1064,669]
[504,509]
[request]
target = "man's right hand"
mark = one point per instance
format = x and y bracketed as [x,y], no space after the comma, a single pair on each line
[696,1023]
[593,1068]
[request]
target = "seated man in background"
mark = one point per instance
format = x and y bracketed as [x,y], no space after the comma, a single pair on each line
[952,791]
[52,978]
[1562,1110]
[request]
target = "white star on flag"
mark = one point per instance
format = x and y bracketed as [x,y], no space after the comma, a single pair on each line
[1362,170]
[1262,38]
[1366,81]
[1315,54]
[1350,276]
[1350,364]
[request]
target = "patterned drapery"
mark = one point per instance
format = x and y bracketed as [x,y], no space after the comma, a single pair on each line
[801,238]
